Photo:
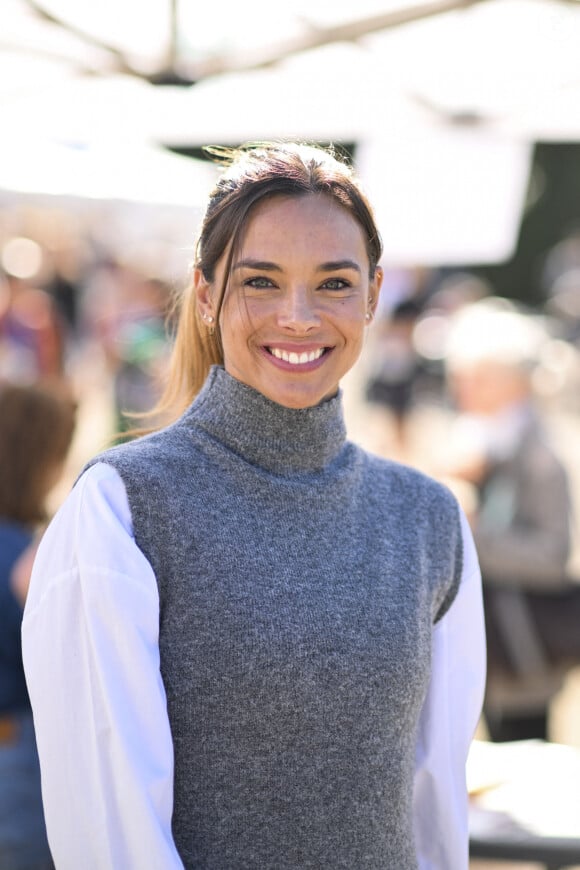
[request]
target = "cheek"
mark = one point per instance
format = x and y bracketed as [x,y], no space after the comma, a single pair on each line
[235,317]
[355,324]
[350,313]
[240,326]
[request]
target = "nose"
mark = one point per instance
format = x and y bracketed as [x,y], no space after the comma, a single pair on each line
[298,310]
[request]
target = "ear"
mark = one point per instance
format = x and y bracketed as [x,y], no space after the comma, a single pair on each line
[203,294]
[374,291]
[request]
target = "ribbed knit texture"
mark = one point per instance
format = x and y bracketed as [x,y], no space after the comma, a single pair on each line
[299,580]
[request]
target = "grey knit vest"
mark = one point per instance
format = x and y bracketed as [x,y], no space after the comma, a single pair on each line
[299,581]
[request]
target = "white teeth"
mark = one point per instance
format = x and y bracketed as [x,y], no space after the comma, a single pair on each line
[296,359]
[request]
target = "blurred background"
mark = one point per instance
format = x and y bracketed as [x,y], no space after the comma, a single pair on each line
[463,120]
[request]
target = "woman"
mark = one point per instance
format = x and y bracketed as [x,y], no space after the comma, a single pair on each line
[270,642]
[36,427]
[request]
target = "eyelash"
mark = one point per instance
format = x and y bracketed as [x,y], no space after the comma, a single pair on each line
[263,283]
[344,284]
[259,283]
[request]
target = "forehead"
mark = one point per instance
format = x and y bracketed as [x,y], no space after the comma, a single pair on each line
[301,223]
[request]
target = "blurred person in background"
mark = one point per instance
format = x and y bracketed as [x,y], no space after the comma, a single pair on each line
[448,294]
[563,303]
[36,429]
[395,366]
[31,332]
[138,349]
[126,313]
[520,509]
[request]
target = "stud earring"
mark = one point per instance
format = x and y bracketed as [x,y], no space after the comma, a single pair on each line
[368,316]
[208,318]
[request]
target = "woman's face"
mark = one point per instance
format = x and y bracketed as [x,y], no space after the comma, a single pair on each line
[294,315]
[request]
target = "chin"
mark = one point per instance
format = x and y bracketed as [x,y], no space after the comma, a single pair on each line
[297,404]
[301,400]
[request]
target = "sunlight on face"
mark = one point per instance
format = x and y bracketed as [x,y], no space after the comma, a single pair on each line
[297,301]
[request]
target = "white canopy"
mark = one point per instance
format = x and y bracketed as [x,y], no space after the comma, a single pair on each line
[444,109]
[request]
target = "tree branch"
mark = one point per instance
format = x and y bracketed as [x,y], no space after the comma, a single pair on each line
[317,37]
[238,62]
[121,64]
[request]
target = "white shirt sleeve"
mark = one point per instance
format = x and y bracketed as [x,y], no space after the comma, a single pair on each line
[448,721]
[90,644]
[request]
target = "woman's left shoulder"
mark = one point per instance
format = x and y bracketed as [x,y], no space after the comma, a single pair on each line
[397,476]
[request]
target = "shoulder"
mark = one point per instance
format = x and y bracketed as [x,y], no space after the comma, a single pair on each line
[146,457]
[407,484]
[423,517]
[539,452]
[99,491]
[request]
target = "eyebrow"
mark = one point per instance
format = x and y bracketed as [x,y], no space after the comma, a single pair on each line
[267,266]
[264,265]
[336,265]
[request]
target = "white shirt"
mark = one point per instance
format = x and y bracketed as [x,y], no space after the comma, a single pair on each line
[91,655]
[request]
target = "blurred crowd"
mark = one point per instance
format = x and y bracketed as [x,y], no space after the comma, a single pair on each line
[483,393]
[70,305]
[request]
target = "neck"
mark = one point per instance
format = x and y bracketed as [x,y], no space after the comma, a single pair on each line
[279,439]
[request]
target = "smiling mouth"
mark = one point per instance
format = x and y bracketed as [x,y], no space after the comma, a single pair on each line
[297,359]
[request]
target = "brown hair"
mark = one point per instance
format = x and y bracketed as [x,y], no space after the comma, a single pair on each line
[36,429]
[252,173]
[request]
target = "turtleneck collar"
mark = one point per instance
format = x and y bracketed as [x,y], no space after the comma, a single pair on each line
[279,439]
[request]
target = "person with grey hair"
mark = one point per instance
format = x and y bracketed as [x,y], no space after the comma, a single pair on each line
[522,511]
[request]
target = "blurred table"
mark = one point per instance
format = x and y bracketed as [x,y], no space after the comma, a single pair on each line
[525,802]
